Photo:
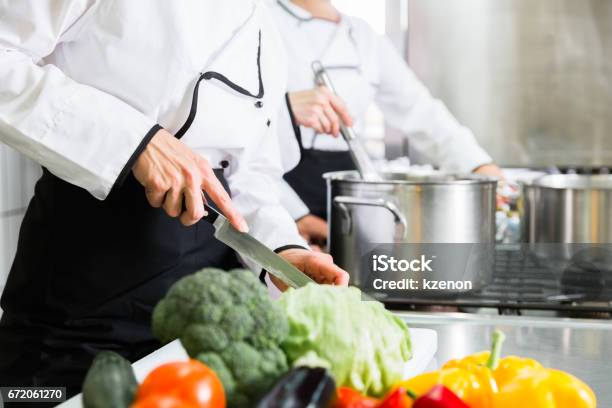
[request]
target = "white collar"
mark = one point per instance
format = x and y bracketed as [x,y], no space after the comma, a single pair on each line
[295,11]
[302,15]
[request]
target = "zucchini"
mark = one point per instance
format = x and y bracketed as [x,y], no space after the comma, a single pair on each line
[110,382]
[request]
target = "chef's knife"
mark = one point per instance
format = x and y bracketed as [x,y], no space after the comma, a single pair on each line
[361,159]
[254,250]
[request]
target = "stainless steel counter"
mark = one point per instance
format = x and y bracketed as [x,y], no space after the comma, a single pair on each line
[581,347]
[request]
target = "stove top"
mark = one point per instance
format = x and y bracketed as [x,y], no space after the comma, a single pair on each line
[522,282]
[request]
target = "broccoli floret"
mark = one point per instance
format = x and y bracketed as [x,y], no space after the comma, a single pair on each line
[215,362]
[198,337]
[238,323]
[227,321]
[257,369]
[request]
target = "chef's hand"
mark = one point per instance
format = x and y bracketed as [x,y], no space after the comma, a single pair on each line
[172,173]
[313,229]
[318,266]
[319,109]
[490,170]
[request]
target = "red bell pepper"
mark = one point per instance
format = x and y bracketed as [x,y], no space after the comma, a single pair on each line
[439,397]
[398,398]
[349,398]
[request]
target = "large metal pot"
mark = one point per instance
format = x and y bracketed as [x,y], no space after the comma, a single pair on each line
[449,217]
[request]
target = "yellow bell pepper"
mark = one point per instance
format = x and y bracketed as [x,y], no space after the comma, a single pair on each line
[483,380]
[512,367]
[465,384]
[522,380]
[470,378]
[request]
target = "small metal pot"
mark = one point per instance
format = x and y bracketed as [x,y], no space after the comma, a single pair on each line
[567,208]
[451,216]
[567,221]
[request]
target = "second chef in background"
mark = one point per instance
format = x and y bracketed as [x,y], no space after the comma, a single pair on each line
[365,68]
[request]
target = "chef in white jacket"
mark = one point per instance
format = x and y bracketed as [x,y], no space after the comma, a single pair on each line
[99,93]
[364,68]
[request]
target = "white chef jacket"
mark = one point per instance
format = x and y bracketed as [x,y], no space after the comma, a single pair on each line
[83,81]
[365,68]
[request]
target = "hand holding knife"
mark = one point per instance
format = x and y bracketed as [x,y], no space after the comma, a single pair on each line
[176,178]
[251,248]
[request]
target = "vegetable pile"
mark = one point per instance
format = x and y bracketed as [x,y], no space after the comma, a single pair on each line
[346,353]
[482,380]
[227,321]
[363,345]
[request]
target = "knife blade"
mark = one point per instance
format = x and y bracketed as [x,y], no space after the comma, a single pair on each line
[249,247]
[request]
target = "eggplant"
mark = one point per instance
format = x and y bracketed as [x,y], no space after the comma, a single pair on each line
[302,387]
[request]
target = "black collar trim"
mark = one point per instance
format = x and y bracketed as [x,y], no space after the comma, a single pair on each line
[223,79]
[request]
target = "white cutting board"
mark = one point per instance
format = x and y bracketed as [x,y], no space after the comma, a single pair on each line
[424,347]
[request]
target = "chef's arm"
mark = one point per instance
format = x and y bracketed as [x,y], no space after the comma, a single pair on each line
[318,109]
[311,228]
[79,133]
[432,129]
[255,183]
[292,201]
[287,131]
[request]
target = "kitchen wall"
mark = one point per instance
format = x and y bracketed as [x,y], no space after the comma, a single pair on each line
[17,178]
[533,79]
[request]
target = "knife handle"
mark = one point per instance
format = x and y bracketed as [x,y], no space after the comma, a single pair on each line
[212,214]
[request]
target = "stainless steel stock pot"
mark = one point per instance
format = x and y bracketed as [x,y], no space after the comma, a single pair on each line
[453,213]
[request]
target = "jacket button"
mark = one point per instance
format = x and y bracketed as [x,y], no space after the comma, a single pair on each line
[259,104]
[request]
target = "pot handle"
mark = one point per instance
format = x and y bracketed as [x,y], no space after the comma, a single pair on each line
[343,202]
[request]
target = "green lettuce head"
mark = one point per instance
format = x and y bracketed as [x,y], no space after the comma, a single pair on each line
[365,346]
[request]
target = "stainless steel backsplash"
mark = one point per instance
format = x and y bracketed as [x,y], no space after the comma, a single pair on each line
[531,78]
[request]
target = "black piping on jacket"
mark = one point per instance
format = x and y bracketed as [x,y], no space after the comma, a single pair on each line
[262,274]
[135,155]
[210,75]
[296,128]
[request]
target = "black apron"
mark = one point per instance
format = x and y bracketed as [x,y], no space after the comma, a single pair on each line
[307,177]
[88,273]
[86,277]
